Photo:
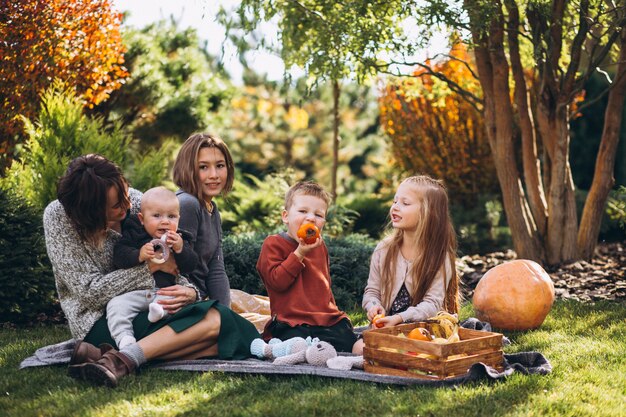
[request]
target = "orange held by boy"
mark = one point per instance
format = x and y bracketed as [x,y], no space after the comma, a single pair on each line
[309,233]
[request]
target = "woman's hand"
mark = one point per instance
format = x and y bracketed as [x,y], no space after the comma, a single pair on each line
[182,296]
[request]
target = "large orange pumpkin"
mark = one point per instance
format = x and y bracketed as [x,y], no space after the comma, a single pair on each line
[515,295]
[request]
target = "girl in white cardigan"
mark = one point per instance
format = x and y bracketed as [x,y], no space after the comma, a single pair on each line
[412,272]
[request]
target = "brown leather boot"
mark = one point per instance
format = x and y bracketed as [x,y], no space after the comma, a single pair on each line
[112,366]
[86,352]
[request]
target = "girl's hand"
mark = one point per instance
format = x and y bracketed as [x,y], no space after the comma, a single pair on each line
[168,266]
[389,321]
[146,252]
[175,241]
[182,296]
[374,311]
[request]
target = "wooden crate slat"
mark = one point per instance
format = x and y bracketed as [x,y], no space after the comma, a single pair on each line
[461,366]
[402,360]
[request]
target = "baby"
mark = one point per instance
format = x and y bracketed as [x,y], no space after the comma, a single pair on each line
[148,236]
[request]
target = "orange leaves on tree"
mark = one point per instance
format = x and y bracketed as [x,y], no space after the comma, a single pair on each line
[434,130]
[78,42]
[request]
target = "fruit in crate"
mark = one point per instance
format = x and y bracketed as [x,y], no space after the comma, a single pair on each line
[420,333]
[515,295]
[375,321]
[445,327]
[309,233]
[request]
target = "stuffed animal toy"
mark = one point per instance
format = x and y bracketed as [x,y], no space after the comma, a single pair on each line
[316,353]
[276,348]
[345,363]
[298,350]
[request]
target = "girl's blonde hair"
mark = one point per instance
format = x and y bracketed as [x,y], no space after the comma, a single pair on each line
[435,241]
[185,173]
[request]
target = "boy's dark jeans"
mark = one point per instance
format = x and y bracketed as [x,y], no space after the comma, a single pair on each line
[340,335]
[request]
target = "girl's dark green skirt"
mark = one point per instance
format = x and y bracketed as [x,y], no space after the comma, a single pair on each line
[236,333]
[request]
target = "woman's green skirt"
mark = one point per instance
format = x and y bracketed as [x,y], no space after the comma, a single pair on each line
[236,333]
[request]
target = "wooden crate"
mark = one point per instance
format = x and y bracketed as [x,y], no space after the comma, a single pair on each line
[386,353]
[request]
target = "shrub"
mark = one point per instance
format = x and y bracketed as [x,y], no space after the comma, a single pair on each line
[349,268]
[61,133]
[255,206]
[481,228]
[26,277]
[349,265]
[373,212]
[241,252]
[616,206]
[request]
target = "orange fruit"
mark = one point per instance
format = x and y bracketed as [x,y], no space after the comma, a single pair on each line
[375,319]
[309,233]
[420,333]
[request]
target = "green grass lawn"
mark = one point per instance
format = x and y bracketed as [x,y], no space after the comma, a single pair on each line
[586,345]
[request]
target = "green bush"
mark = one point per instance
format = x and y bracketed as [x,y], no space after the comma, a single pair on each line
[241,252]
[482,228]
[26,282]
[255,206]
[349,265]
[349,268]
[63,132]
[373,214]
[616,206]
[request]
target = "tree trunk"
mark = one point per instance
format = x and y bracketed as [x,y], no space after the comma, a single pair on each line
[605,162]
[493,70]
[560,235]
[333,186]
[531,164]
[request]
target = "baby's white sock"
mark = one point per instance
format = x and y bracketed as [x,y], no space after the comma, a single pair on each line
[155,312]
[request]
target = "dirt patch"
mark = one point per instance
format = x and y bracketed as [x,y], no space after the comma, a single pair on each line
[602,278]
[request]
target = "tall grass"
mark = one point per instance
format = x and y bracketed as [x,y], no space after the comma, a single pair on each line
[585,343]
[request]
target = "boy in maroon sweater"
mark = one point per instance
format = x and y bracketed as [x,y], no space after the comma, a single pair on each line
[297,275]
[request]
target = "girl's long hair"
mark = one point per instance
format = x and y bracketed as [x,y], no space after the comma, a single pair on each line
[185,173]
[435,241]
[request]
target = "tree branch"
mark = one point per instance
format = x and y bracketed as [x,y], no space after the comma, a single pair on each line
[577,44]
[472,99]
[465,63]
[305,9]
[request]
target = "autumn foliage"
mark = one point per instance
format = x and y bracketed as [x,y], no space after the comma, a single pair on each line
[433,130]
[78,42]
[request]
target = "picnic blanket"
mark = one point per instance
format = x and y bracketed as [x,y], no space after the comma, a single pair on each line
[524,362]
